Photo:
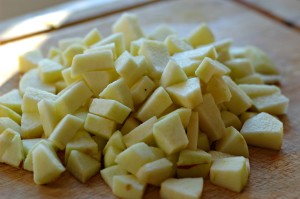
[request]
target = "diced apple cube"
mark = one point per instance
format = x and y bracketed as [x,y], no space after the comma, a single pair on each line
[175,44]
[117,39]
[110,156]
[6,122]
[187,94]
[92,37]
[170,135]
[108,173]
[129,125]
[68,78]
[99,126]
[110,109]
[239,101]
[214,129]
[155,105]
[32,79]
[134,157]
[128,24]
[184,114]
[209,68]
[12,100]
[92,61]
[142,133]
[161,33]
[201,35]
[29,60]
[63,44]
[253,90]
[230,173]
[193,131]
[128,187]
[193,163]
[49,71]
[188,188]
[233,143]
[29,143]
[82,166]
[240,67]
[275,104]
[7,112]
[65,130]
[31,126]
[250,79]
[247,115]
[231,119]
[70,53]
[156,172]
[172,74]
[219,90]
[116,140]
[142,89]
[260,129]
[46,165]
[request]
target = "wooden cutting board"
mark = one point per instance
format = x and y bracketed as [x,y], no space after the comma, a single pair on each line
[273,174]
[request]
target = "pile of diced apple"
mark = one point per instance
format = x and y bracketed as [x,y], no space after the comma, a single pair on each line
[156,109]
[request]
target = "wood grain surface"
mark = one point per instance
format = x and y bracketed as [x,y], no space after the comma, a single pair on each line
[273,174]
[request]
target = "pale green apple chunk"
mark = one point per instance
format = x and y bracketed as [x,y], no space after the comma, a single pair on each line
[12,100]
[176,44]
[29,143]
[233,143]
[161,32]
[70,52]
[213,128]
[187,188]
[46,165]
[29,60]
[170,135]
[257,90]
[142,89]
[134,157]
[65,130]
[92,37]
[116,140]
[7,112]
[172,74]
[187,94]
[203,142]
[184,114]
[156,172]
[193,163]
[128,187]
[260,129]
[117,39]
[108,173]
[84,143]
[49,71]
[230,173]
[129,124]
[110,156]
[82,166]
[31,126]
[142,133]
[6,122]
[275,104]
[5,140]
[201,35]
[193,131]
[231,119]
[240,67]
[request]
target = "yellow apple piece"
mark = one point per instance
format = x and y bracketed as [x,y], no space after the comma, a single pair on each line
[193,163]
[233,143]
[155,53]
[32,97]
[188,188]
[29,60]
[172,74]
[135,46]
[254,90]
[187,94]
[260,129]
[240,67]
[102,60]
[82,166]
[175,44]
[49,71]
[99,126]
[134,157]
[111,47]
[231,119]
[250,79]
[201,35]
[239,101]
[142,89]
[275,104]
[46,165]
[128,25]
[213,128]
[70,53]
[29,143]
[64,43]
[203,142]
[7,112]
[230,173]
[117,39]
[158,153]
[68,78]
[184,114]
[218,89]
[6,122]
[116,140]
[161,32]
[84,143]
[170,135]
[12,100]
[32,79]
[209,68]
[31,126]
[158,102]
[119,91]
[247,115]
[108,173]
[142,133]
[92,37]
[110,156]
[65,130]
[72,97]
[12,152]
[110,109]
[193,131]
[128,187]
[129,124]
[155,172]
